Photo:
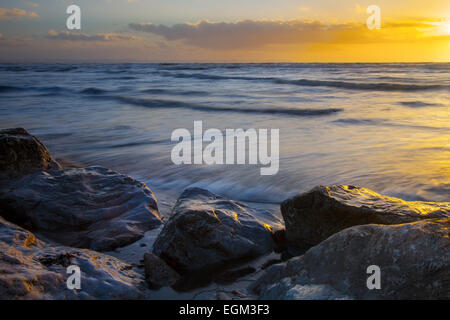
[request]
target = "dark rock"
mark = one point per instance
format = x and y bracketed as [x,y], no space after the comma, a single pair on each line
[22,153]
[207,231]
[33,269]
[230,276]
[279,238]
[412,257]
[286,255]
[222,296]
[270,263]
[157,273]
[93,208]
[63,259]
[313,216]
[239,294]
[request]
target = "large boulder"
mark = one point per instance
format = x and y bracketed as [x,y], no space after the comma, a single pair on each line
[207,231]
[413,259]
[33,269]
[92,207]
[313,216]
[22,153]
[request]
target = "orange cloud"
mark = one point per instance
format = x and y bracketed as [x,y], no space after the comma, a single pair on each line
[253,34]
[16,14]
[246,33]
[32,4]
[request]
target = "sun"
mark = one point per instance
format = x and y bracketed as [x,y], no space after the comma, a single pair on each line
[444,27]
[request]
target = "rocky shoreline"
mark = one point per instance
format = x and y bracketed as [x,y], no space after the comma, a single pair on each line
[53,215]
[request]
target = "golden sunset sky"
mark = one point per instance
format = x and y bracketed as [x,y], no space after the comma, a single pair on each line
[225,31]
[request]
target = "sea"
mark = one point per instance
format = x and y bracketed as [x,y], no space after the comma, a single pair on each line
[382,126]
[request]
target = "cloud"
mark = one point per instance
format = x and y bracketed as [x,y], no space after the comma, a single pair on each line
[69,36]
[247,33]
[255,34]
[304,9]
[16,14]
[358,9]
[32,4]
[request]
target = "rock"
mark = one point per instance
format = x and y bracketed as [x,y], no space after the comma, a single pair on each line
[222,296]
[313,216]
[279,237]
[33,269]
[208,231]
[239,294]
[270,263]
[92,207]
[287,291]
[231,276]
[22,153]
[413,259]
[157,273]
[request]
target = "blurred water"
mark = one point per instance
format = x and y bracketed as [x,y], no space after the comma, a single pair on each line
[381,126]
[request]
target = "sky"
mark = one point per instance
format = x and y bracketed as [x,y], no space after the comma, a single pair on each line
[225,31]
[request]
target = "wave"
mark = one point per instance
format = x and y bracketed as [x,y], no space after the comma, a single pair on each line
[419,104]
[13,68]
[168,104]
[386,123]
[171,92]
[38,68]
[54,89]
[57,69]
[93,91]
[380,86]
[10,88]
[353,121]
[373,86]
[119,78]
[135,144]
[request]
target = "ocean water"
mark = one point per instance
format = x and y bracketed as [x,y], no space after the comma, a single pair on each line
[380,126]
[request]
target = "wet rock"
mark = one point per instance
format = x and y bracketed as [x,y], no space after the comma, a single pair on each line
[22,153]
[270,263]
[286,290]
[92,207]
[207,231]
[412,257]
[33,269]
[313,216]
[239,294]
[230,276]
[279,237]
[157,273]
[222,296]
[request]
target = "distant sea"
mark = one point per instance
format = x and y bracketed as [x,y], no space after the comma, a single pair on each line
[381,126]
